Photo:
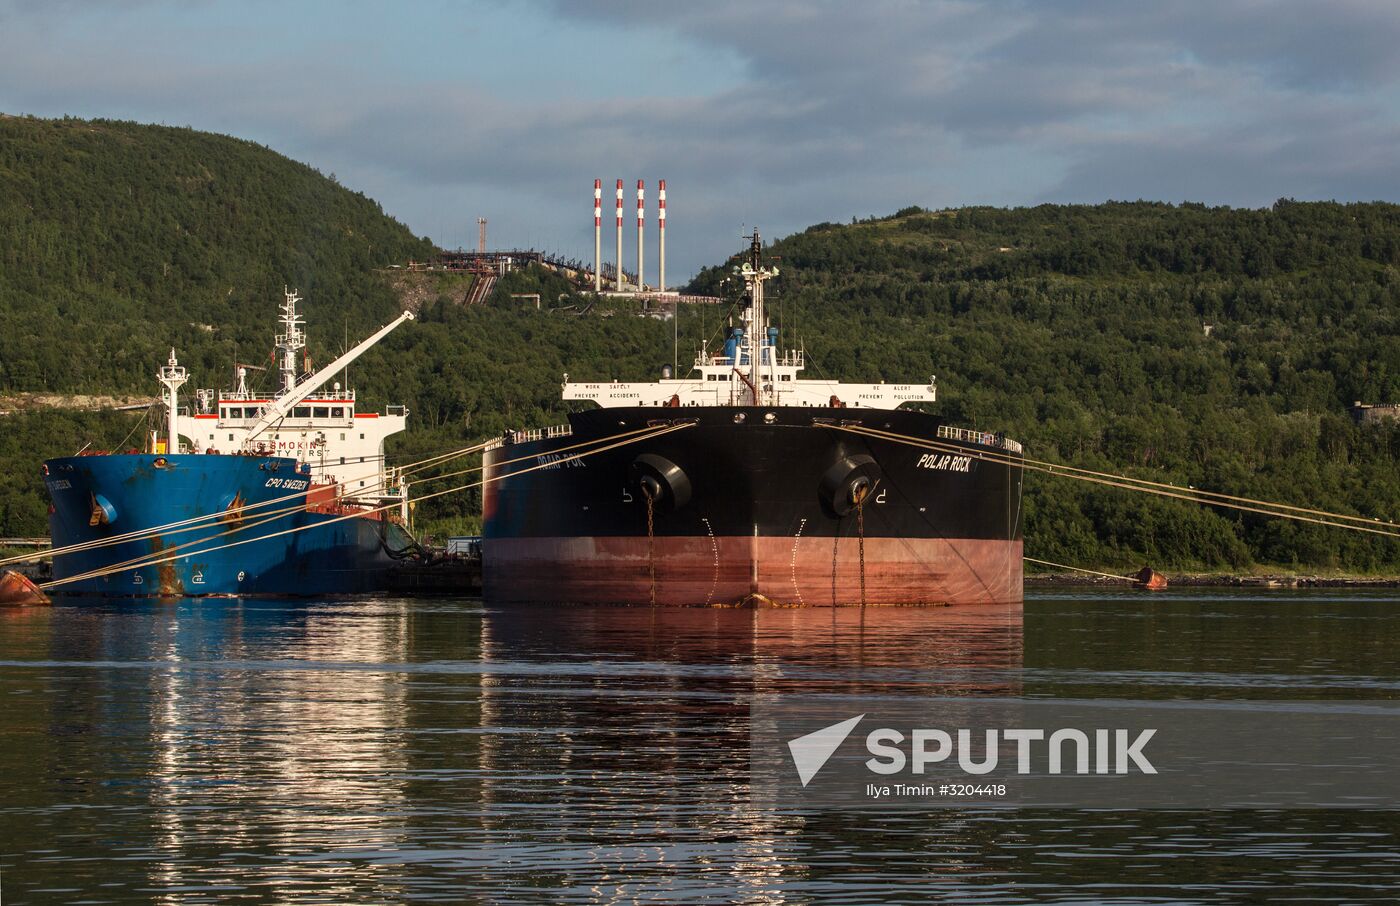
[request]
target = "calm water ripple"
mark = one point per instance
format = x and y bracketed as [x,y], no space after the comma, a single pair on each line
[436,750]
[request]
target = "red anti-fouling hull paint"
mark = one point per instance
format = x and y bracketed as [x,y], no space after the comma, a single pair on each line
[752,504]
[730,570]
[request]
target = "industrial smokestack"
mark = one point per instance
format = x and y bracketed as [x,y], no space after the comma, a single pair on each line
[619,235]
[597,235]
[641,217]
[661,219]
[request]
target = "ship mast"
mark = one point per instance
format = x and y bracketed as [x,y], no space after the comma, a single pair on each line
[173,376]
[754,275]
[290,341]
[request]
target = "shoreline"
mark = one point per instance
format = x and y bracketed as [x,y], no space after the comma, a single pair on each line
[1205,580]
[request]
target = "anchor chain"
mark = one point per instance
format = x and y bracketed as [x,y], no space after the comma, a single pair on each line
[860,535]
[858,497]
[651,544]
[835,546]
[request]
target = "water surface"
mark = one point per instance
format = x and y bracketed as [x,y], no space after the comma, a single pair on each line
[392,749]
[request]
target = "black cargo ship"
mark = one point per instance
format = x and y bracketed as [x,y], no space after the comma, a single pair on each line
[743,484]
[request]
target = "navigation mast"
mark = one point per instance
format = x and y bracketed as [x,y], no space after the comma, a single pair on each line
[754,275]
[173,376]
[290,341]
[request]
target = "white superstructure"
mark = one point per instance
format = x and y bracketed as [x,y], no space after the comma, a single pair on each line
[320,428]
[751,371]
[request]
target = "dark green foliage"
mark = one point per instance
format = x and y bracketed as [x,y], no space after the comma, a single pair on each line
[118,241]
[30,438]
[1081,331]
[1078,330]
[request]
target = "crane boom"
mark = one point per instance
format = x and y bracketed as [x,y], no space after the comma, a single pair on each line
[284,403]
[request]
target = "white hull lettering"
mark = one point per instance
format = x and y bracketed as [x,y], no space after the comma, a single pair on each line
[558,461]
[945,462]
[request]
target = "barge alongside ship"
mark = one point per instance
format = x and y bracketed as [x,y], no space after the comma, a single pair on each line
[769,490]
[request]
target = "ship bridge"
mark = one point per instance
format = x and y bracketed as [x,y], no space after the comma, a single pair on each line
[752,370]
[322,428]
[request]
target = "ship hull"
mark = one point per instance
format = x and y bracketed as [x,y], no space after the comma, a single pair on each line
[278,543]
[763,520]
[723,571]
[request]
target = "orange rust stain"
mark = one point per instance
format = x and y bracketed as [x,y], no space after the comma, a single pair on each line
[169,583]
[233,513]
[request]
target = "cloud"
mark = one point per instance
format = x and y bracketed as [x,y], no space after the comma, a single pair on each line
[797,111]
[1308,152]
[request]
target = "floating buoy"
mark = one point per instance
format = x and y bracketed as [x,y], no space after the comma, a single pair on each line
[17,589]
[1148,579]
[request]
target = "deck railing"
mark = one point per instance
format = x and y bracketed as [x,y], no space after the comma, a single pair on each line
[525,435]
[979,437]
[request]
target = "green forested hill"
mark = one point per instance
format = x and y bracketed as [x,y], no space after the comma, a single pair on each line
[118,241]
[1079,330]
[1210,347]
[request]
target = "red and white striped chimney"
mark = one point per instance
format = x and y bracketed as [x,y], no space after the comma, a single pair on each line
[661,219]
[641,217]
[597,235]
[619,235]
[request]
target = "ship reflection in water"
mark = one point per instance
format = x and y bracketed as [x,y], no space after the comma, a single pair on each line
[389,750]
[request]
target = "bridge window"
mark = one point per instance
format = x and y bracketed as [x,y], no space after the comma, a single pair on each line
[301,412]
[338,412]
[322,412]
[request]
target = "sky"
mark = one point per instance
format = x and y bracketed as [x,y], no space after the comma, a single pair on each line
[774,114]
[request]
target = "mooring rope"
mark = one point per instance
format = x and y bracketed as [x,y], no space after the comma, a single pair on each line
[1192,495]
[359,514]
[193,522]
[585,443]
[1080,569]
[296,499]
[139,562]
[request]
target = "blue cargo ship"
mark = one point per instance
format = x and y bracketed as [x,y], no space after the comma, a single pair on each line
[250,492]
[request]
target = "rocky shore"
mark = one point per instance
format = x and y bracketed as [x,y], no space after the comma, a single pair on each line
[1190,580]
